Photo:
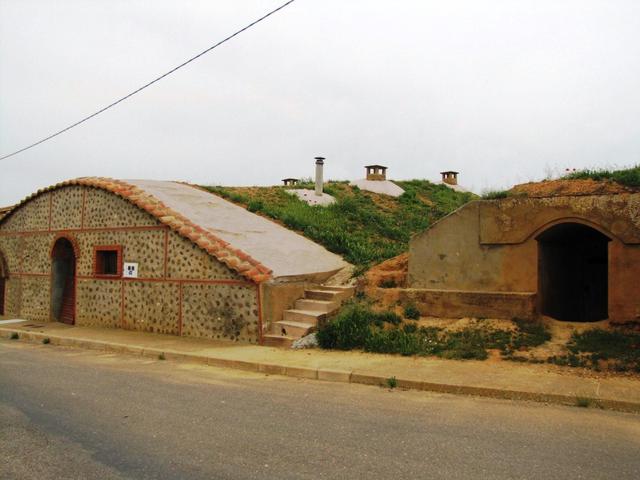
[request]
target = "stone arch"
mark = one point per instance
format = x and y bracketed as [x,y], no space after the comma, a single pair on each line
[71,239]
[583,221]
[573,271]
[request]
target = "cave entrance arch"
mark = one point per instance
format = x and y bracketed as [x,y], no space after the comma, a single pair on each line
[63,282]
[573,273]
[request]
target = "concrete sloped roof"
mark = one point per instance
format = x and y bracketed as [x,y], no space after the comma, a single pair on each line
[285,253]
[249,244]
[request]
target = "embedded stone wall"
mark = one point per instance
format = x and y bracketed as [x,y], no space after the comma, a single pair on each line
[220,311]
[35,298]
[152,307]
[104,209]
[66,208]
[188,261]
[180,289]
[98,303]
[12,296]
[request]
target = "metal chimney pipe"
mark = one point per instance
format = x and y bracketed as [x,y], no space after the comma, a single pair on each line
[319,181]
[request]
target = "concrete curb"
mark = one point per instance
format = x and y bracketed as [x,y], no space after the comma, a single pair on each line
[341,376]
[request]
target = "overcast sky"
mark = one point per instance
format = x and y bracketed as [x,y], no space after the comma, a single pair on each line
[503,91]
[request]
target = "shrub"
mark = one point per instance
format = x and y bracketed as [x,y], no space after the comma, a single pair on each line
[388,283]
[14,336]
[46,341]
[162,357]
[388,317]
[392,382]
[495,194]
[255,205]
[350,329]
[411,312]
[410,327]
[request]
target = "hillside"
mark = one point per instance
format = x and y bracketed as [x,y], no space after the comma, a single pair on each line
[365,228]
[582,182]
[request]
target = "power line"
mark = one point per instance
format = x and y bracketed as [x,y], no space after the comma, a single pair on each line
[255,22]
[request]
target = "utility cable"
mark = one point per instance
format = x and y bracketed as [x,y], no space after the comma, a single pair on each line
[255,22]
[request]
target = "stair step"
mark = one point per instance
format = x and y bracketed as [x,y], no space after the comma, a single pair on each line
[342,292]
[272,340]
[307,316]
[294,329]
[336,288]
[329,295]
[316,305]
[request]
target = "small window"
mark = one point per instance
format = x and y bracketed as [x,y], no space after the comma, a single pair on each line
[108,261]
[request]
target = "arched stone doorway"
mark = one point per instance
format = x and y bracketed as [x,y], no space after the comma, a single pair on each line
[4,273]
[63,281]
[573,273]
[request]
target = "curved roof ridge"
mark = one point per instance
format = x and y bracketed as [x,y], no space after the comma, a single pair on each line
[233,258]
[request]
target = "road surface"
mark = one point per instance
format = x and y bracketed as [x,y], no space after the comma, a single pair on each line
[69,413]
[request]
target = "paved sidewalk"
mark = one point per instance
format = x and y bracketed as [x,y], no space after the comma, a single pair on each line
[545,383]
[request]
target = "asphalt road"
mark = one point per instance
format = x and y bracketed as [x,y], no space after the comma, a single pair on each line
[67,413]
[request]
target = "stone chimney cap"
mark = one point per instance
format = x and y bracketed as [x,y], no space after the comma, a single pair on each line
[319,160]
[290,179]
[376,166]
[449,171]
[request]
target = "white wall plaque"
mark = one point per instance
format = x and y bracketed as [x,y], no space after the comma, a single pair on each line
[130,270]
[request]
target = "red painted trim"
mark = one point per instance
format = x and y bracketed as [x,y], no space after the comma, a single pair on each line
[107,248]
[166,253]
[81,230]
[239,283]
[259,300]
[180,299]
[27,274]
[72,241]
[122,306]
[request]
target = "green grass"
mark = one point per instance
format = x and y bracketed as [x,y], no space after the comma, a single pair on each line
[365,228]
[359,327]
[619,349]
[627,176]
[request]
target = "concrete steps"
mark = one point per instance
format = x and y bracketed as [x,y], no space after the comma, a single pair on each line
[306,316]
[313,309]
[294,329]
[316,305]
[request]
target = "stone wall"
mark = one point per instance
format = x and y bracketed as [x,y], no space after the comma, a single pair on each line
[180,289]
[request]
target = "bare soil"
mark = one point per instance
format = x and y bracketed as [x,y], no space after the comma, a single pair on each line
[559,188]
